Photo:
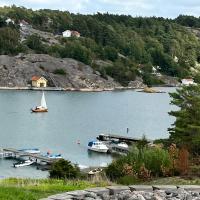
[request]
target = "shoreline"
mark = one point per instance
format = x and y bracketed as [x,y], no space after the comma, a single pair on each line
[80,89]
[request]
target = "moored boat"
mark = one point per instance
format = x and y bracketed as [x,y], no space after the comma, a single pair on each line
[24,163]
[31,151]
[42,107]
[54,156]
[123,144]
[95,171]
[97,146]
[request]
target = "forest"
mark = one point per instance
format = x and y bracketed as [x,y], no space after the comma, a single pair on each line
[130,46]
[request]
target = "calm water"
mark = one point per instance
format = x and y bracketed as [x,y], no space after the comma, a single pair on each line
[76,116]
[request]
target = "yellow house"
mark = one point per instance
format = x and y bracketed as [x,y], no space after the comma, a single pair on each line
[39,81]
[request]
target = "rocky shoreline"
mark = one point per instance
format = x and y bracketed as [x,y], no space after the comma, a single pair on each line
[16,72]
[135,192]
[78,89]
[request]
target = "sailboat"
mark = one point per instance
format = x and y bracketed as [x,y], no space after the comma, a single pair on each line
[42,107]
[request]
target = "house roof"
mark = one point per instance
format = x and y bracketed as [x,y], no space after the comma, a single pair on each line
[188,79]
[36,78]
[75,32]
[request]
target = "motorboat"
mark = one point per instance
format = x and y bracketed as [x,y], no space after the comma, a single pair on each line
[24,163]
[123,144]
[54,156]
[97,146]
[95,171]
[31,151]
[42,107]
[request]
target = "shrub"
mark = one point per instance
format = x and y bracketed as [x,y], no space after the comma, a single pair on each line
[60,71]
[141,163]
[63,169]
[128,180]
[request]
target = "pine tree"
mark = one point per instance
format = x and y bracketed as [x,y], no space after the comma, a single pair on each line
[186,129]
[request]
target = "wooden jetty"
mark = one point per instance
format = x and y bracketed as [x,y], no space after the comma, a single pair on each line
[14,153]
[109,137]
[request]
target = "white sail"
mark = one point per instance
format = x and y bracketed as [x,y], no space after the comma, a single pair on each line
[43,101]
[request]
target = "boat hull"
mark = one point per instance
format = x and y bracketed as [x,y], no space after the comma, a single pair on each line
[23,164]
[39,110]
[98,150]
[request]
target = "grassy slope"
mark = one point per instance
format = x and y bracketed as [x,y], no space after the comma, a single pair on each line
[26,189]
[29,189]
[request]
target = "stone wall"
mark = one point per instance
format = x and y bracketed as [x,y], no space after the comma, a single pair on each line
[135,192]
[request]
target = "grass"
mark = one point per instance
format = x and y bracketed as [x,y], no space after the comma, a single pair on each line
[29,189]
[174,181]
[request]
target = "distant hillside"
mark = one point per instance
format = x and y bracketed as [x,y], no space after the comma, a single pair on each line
[117,46]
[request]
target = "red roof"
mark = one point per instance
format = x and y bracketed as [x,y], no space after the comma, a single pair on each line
[35,78]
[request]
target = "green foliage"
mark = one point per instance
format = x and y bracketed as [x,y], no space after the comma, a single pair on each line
[186,129]
[34,42]
[60,71]
[110,53]
[63,169]
[151,80]
[128,180]
[154,160]
[140,41]
[9,40]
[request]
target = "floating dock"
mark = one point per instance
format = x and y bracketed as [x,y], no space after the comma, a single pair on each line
[110,137]
[14,153]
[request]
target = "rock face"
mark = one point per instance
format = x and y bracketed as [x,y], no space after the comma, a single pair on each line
[17,72]
[137,83]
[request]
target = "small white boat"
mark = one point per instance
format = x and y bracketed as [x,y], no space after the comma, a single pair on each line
[95,171]
[24,163]
[42,107]
[31,151]
[122,144]
[97,146]
[54,156]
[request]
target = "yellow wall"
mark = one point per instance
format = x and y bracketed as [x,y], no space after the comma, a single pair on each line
[40,83]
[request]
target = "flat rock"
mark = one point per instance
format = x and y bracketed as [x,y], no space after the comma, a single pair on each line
[117,189]
[164,187]
[195,188]
[141,188]
[99,191]
[78,194]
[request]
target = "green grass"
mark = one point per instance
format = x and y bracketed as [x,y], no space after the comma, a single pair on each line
[29,189]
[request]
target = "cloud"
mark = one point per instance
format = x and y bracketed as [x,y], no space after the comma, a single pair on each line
[170,8]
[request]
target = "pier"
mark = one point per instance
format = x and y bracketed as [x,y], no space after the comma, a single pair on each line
[14,153]
[109,137]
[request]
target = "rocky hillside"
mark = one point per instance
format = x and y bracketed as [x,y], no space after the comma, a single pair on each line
[66,73]
[131,50]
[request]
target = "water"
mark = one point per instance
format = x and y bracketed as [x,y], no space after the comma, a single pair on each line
[77,116]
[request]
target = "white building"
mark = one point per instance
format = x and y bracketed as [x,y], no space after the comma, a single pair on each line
[67,33]
[187,81]
[8,21]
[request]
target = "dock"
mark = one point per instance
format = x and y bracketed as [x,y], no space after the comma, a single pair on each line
[109,137]
[14,153]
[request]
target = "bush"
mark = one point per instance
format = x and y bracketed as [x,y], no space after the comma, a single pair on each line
[63,169]
[60,71]
[142,164]
[128,180]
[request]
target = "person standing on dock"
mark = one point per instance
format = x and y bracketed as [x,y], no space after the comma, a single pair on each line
[127,130]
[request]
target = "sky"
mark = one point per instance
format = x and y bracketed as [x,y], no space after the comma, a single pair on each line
[162,8]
